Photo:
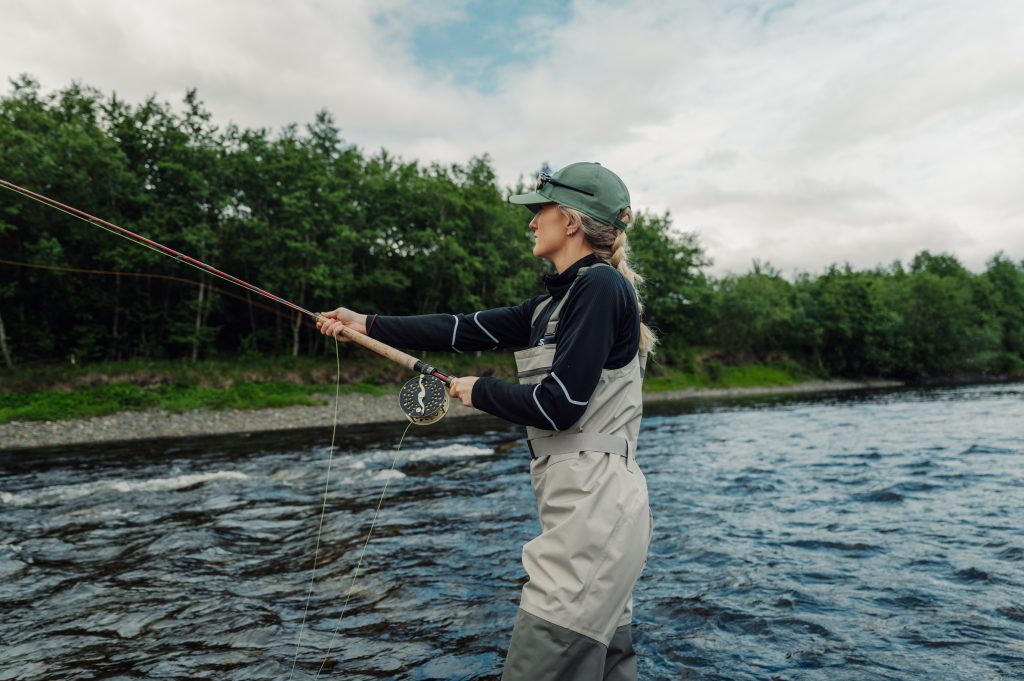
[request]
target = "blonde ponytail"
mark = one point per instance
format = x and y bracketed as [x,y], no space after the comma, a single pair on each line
[612,245]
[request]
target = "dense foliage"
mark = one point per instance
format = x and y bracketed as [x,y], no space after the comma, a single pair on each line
[307,216]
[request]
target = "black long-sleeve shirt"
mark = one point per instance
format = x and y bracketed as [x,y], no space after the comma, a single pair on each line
[599,328]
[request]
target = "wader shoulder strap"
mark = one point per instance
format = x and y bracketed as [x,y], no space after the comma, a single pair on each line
[553,319]
[540,307]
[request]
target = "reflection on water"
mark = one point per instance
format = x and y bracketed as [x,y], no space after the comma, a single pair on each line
[863,536]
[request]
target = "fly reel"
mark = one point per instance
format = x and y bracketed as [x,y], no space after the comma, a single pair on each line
[424,400]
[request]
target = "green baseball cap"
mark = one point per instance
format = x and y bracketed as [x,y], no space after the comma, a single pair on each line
[588,187]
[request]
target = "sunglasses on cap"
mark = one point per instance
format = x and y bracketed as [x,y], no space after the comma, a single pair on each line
[544,179]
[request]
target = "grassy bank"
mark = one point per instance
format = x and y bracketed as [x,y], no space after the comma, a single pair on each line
[717,375]
[59,392]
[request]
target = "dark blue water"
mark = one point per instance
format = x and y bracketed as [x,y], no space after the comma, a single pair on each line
[869,536]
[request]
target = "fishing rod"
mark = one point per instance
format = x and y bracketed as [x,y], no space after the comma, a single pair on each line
[146,275]
[424,400]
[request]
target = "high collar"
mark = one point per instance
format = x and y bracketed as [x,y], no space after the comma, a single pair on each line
[558,284]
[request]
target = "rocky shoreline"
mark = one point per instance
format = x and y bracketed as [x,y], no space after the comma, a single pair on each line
[352,409]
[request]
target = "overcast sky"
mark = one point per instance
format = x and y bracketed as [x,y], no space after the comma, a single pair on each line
[798,133]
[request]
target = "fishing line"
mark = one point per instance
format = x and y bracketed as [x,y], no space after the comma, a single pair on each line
[146,275]
[148,243]
[424,400]
[320,528]
[323,508]
[359,564]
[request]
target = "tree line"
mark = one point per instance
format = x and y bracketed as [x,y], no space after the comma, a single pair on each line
[313,219]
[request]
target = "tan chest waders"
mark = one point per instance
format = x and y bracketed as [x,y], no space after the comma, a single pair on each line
[595,526]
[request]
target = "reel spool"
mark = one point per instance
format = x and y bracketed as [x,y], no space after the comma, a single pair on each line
[424,400]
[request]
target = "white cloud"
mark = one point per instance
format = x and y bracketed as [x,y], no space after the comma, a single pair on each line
[802,133]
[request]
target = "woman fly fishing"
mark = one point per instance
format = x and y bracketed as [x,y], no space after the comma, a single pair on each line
[579,396]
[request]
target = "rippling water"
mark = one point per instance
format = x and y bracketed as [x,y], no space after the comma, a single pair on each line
[868,536]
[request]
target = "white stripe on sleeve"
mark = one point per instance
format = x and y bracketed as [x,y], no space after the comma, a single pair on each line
[489,334]
[537,402]
[455,331]
[566,391]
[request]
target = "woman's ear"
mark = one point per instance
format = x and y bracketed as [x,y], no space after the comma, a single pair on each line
[572,224]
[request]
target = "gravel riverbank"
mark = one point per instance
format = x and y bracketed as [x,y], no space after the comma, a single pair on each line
[353,409]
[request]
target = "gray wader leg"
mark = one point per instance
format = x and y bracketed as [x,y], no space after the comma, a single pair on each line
[620,664]
[542,651]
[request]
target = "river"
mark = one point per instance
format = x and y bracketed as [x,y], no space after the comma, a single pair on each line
[867,535]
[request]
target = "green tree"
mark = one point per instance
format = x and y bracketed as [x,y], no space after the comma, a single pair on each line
[307,216]
[1005,280]
[855,331]
[756,313]
[293,216]
[944,327]
[56,144]
[678,298]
